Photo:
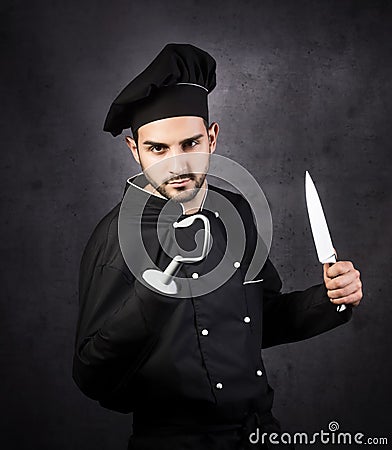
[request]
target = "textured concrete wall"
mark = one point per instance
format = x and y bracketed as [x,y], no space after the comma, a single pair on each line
[302,85]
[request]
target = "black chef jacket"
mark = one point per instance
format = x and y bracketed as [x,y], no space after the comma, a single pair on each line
[186,362]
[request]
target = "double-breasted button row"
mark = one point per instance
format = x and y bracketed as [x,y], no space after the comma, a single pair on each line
[236,264]
[219,385]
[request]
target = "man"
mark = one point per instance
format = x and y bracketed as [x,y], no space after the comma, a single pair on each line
[189,367]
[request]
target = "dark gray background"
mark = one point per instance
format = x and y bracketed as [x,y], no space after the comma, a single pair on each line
[302,85]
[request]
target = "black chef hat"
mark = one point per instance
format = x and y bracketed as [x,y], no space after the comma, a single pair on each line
[176,83]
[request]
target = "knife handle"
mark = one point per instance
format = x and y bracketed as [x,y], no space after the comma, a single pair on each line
[342,307]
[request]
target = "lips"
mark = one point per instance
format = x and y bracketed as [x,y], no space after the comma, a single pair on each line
[179,183]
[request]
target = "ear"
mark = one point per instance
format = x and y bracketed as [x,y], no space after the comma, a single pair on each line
[133,147]
[213,132]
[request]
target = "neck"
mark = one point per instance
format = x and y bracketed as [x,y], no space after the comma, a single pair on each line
[194,205]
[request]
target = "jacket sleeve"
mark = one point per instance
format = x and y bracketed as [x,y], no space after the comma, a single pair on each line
[293,316]
[119,323]
[297,315]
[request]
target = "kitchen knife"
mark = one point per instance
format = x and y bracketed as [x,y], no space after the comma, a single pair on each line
[318,223]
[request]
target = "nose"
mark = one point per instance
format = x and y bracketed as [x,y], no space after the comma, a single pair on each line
[177,162]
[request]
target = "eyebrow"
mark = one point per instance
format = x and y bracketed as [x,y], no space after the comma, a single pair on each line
[161,144]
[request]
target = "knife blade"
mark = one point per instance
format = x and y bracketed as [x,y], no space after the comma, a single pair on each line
[321,236]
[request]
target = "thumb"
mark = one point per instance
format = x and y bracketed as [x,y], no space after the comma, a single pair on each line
[325,268]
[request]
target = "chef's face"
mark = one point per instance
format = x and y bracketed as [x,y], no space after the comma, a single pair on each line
[174,154]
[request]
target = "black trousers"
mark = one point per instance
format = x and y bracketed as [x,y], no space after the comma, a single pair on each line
[248,436]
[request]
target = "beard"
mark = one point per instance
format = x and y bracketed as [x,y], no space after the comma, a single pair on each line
[181,194]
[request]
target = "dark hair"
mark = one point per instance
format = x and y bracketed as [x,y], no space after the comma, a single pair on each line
[136,136]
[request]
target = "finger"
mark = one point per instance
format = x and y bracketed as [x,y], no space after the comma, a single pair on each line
[352,299]
[344,292]
[342,281]
[339,268]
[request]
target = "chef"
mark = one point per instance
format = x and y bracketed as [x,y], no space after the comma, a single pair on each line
[189,367]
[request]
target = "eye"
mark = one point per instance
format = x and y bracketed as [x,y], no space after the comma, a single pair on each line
[190,144]
[156,149]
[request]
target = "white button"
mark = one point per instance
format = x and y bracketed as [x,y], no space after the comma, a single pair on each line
[259,373]
[195,275]
[246,319]
[236,264]
[204,332]
[219,385]
[216,214]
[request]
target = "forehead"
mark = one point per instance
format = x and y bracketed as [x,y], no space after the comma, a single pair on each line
[172,129]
